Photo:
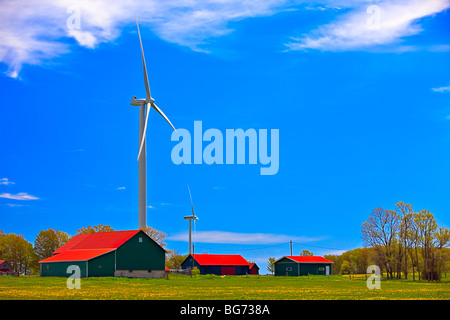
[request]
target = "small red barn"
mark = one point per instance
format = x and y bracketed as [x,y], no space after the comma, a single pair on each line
[5,266]
[254,269]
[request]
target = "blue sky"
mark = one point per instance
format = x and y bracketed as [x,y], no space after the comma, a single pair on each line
[361,99]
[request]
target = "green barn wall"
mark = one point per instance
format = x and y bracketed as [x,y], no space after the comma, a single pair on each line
[102,266]
[313,268]
[59,269]
[130,255]
[280,267]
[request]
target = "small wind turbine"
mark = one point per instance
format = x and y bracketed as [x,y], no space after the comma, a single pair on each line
[190,218]
[143,121]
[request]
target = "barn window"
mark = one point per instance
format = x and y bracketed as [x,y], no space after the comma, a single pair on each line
[100,266]
[288,269]
[321,269]
[140,239]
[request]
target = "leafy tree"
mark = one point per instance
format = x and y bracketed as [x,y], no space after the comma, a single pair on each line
[427,228]
[271,265]
[441,255]
[444,256]
[156,235]
[306,253]
[404,238]
[94,229]
[195,271]
[48,241]
[2,234]
[18,252]
[174,259]
[347,267]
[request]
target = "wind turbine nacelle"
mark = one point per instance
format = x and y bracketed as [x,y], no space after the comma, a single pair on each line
[137,102]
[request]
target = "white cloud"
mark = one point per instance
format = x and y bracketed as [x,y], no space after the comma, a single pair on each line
[33,33]
[14,205]
[239,238]
[371,25]
[18,196]
[121,188]
[441,89]
[5,181]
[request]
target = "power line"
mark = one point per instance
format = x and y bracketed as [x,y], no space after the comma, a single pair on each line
[247,249]
[271,246]
[319,247]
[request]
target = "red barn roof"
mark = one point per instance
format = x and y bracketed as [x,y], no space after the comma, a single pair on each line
[309,259]
[99,240]
[77,255]
[220,260]
[84,247]
[253,265]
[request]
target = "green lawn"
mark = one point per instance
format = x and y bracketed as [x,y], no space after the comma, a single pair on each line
[218,288]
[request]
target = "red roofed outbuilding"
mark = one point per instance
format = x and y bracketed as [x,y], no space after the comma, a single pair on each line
[117,253]
[254,269]
[219,264]
[302,266]
[5,266]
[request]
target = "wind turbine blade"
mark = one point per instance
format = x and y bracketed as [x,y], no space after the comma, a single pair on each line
[192,204]
[163,115]
[144,132]
[194,229]
[147,87]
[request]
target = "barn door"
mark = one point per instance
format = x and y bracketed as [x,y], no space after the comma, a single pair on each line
[228,271]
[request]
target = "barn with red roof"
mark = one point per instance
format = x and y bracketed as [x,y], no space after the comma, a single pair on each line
[302,266]
[105,254]
[5,267]
[219,264]
[254,269]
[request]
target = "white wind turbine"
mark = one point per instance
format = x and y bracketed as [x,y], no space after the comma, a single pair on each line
[148,102]
[190,218]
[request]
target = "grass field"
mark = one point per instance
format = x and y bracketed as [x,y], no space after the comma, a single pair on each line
[181,287]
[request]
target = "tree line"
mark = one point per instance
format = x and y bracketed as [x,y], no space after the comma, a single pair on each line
[401,241]
[24,256]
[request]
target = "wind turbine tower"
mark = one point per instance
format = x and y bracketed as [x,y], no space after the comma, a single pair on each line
[144,104]
[190,218]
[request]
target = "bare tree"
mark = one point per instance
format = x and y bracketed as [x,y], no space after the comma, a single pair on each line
[379,231]
[405,213]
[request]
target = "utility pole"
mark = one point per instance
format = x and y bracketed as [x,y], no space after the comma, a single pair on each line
[193,250]
[291,246]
